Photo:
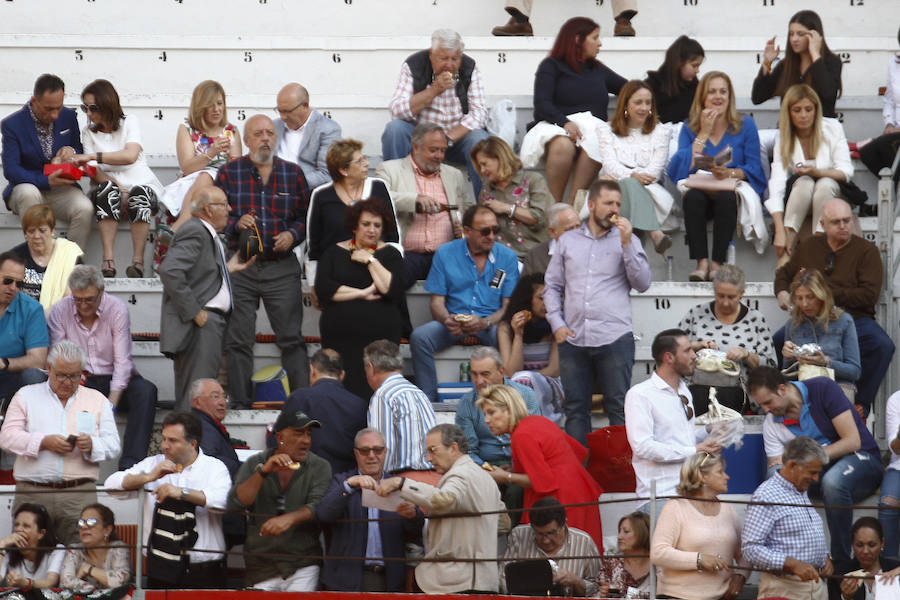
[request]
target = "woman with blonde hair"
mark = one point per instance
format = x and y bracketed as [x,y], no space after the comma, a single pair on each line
[816,320]
[811,163]
[634,148]
[546,460]
[697,540]
[519,199]
[713,126]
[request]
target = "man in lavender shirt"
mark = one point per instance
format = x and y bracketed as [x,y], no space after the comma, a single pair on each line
[100,324]
[586,292]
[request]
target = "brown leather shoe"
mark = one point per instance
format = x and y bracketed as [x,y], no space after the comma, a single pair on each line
[513,27]
[623,28]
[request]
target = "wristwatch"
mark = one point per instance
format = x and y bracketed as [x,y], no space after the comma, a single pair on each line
[5,363]
[184,493]
[371,260]
[449,141]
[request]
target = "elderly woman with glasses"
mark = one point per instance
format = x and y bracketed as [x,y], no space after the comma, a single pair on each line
[697,540]
[100,567]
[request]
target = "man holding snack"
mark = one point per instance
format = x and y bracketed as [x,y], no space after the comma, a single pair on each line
[181,473]
[587,287]
[470,282]
[288,482]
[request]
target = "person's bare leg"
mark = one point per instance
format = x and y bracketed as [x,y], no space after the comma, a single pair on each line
[107,229]
[560,156]
[586,170]
[139,233]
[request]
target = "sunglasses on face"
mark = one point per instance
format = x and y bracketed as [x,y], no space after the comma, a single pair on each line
[20,283]
[87,523]
[377,450]
[486,231]
[90,108]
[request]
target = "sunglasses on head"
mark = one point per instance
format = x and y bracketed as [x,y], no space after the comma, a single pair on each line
[10,280]
[89,108]
[486,231]
[86,523]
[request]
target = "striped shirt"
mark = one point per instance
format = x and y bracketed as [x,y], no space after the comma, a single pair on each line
[522,545]
[773,533]
[403,413]
[427,231]
[445,110]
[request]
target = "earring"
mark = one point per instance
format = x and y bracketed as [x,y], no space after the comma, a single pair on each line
[649,112]
[626,113]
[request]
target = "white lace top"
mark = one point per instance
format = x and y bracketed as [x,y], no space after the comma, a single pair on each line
[644,152]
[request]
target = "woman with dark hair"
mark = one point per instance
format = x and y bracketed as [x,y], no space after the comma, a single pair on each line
[359,283]
[33,558]
[329,203]
[675,82]
[617,575]
[101,566]
[868,555]
[125,183]
[571,93]
[807,59]
[520,200]
[714,125]
[527,345]
[634,149]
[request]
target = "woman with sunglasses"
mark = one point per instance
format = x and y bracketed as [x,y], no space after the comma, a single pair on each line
[101,565]
[697,540]
[33,558]
[126,187]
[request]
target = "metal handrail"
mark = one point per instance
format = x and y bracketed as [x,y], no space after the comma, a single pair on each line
[888,209]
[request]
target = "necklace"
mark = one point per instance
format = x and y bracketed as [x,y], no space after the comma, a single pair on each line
[351,197]
[354,246]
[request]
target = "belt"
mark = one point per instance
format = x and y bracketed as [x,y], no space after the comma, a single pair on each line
[377,569]
[61,485]
[218,311]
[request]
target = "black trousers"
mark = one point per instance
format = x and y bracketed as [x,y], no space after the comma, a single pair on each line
[880,152]
[701,206]
[199,576]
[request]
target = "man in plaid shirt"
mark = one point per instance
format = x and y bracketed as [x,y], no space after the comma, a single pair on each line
[443,86]
[271,195]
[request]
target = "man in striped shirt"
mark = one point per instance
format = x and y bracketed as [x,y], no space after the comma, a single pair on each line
[398,408]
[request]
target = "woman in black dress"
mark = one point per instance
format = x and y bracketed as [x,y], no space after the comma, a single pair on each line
[359,283]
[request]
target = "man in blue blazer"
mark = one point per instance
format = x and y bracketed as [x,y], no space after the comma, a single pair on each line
[40,132]
[376,540]
[303,135]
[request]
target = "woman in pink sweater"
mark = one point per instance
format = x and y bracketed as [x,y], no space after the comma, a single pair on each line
[697,540]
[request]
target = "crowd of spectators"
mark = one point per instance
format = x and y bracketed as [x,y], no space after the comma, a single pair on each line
[356,452]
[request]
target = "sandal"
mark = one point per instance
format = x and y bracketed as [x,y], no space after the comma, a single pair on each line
[135,270]
[665,242]
[698,275]
[109,268]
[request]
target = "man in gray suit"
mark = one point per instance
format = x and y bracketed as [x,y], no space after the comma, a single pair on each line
[303,135]
[197,294]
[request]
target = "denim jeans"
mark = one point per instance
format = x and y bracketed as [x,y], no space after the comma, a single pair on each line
[847,481]
[395,143]
[579,367]
[433,337]
[890,517]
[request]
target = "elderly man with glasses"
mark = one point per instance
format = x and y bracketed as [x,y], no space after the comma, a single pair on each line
[303,135]
[60,432]
[23,330]
[470,282]
[351,536]
[99,323]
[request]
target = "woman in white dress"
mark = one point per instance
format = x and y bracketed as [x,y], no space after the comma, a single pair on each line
[633,149]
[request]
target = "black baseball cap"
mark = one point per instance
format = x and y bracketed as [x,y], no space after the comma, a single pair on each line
[295,420]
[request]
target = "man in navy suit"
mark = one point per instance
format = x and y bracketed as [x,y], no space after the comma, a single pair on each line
[41,132]
[376,540]
[303,135]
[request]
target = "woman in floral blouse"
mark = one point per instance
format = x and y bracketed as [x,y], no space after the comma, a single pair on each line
[100,568]
[519,199]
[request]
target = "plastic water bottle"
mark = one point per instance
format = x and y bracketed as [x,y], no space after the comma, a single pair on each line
[729,258]
[670,266]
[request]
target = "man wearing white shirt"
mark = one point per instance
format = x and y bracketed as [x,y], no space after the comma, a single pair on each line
[183,472]
[659,417]
[303,135]
[60,432]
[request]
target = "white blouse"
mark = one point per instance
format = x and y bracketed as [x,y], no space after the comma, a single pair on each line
[128,176]
[637,151]
[891,111]
[833,154]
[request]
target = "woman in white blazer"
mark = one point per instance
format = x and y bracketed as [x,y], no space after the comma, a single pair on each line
[811,160]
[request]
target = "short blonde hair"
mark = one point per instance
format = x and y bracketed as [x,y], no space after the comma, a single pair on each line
[504,397]
[693,469]
[37,215]
[205,95]
[496,148]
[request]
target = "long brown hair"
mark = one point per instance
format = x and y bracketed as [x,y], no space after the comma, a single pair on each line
[619,122]
[731,114]
[790,66]
[107,100]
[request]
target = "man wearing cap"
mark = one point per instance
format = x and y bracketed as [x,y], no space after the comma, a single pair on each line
[288,482]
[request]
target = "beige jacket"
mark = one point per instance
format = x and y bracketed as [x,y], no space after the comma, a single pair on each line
[464,537]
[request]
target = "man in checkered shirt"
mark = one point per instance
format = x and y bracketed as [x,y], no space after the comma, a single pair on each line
[443,86]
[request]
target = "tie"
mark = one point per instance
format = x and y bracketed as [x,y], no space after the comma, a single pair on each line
[225,276]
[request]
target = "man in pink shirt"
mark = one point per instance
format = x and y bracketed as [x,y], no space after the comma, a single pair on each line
[100,324]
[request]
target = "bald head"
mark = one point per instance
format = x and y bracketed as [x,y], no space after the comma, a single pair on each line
[837,222]
[259,137]
[292,105]
[206,195]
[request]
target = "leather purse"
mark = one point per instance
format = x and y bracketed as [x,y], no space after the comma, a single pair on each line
[249,243]
[707,182]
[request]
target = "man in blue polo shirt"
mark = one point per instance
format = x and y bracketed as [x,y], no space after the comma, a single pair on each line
[470,282]
[23,331]
[817,408]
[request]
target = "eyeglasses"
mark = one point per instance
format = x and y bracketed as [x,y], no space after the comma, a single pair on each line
[359,161]
[20,283]
[216,204]
[366,451]
[84,299]
[829,266]
[90,108]
[71,378]
[86,523]
[284,112]
[686,405]
[486,231]
[546,534]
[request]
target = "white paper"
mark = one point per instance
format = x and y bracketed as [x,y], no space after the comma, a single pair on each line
[885,591]
[390,502]
[84,422]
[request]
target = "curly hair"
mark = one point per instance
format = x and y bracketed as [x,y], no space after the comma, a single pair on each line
[370,205]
